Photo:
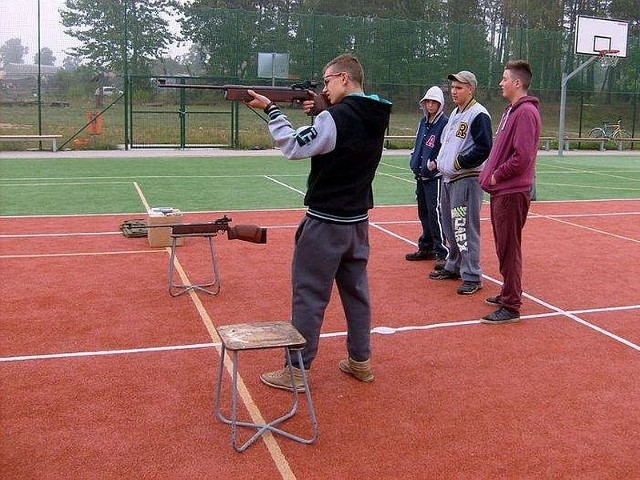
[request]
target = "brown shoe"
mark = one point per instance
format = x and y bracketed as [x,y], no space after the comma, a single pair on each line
[282,379]
[358,370]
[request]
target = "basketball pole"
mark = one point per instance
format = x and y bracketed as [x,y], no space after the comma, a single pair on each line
[563,99]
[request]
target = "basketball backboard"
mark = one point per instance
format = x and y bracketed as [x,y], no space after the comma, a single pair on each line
[596,34]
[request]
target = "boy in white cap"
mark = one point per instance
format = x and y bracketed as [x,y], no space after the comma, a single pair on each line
[466,143]
[428,179]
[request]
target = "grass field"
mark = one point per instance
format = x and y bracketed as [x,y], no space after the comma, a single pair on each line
[60,186]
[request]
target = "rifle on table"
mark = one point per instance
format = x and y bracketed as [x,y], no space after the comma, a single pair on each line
[246,233]
[296,92]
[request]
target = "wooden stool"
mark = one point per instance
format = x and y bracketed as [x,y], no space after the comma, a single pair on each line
[261,336]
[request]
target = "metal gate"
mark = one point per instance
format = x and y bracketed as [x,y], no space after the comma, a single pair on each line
[182,118]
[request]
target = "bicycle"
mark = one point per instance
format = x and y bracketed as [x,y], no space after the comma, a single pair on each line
[612,131]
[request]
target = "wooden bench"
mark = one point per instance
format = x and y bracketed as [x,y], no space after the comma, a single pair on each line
[24,138]
[545,142]
[398,137]
[621,141]
[601,141]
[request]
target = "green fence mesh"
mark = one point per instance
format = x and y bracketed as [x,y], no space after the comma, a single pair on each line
[402,58]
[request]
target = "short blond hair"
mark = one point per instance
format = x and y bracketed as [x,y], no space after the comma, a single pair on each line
[350,64]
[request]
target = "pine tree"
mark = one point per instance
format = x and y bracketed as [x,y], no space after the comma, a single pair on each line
[115,32]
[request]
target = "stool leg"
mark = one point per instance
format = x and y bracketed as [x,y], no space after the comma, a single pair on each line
[211,287]
[172,260]
[218,393]
[216,272]
[312,410]
[234,402]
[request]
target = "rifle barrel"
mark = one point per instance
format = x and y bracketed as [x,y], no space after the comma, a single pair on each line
[239,92]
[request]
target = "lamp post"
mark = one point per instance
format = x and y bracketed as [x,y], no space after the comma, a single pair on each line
[39,82]
[127,80]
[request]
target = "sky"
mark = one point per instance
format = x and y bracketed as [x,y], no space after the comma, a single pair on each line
[19,19]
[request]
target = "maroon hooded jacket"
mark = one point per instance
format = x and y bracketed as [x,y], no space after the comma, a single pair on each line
[514,151]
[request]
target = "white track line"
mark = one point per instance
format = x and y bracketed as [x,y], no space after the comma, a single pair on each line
[592,187]
[284,184]
[603,174]
[590,229]
[77,234]
[379,329]
[79,254]
[595,200]
[587,215]
[408,180]
[57,184]
[142,197]
[99,353]
[127,179]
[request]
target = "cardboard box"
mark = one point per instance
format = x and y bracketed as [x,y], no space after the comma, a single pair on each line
[161,237]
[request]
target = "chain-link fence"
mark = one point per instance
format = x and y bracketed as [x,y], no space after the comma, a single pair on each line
[402,59]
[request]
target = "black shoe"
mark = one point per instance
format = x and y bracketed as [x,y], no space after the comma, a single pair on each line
[493,301]
[420,255]
[440,263]
[468,288]
[443,275]
[500,316]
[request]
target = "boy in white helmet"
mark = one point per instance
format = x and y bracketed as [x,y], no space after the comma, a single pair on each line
[431,244]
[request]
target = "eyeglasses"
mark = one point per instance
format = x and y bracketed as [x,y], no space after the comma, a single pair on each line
[327,79]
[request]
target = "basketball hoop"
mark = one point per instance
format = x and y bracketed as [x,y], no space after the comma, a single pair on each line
[609,58]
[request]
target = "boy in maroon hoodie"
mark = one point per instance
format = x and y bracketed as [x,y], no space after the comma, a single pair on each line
[507,177]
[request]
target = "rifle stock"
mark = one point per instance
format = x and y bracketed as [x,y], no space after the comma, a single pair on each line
[247,233]
[297,92]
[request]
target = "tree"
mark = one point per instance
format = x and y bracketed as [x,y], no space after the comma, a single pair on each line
[45,57]
[112,32]
[193,60]
[168,66]
[627,10]
[75,82]
[12,51]
[71,63]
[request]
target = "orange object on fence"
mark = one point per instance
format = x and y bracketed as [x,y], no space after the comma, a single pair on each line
[81,142]
[95,127]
